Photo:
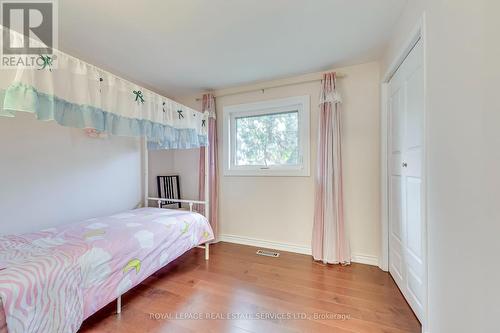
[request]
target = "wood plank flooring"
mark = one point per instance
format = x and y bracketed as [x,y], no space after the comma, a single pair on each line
[243,292]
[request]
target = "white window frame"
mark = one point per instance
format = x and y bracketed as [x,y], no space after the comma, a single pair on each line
[231,112]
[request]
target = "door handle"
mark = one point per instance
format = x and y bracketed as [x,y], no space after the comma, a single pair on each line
[405,165]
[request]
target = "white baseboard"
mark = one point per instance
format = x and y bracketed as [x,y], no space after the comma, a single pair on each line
[364,259]
[266,244]
[357,258]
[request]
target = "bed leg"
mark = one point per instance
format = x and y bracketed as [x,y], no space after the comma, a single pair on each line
[119,305]
[207,251]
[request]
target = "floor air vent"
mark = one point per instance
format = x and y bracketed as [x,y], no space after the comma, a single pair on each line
[268,253]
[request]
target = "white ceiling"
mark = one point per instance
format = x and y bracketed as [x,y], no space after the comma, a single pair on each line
[179,47]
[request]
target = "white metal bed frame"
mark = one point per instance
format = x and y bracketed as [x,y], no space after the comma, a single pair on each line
[147,198]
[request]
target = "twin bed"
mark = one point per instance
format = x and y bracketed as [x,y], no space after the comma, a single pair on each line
[52,280]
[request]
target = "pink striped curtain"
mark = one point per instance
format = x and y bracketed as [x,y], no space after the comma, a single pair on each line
[330,243]
[208,105]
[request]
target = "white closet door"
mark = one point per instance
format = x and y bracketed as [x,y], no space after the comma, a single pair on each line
[406,228]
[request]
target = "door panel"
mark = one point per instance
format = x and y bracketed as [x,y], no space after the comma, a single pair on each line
[414,107]
[415,289]
[413,157]
[413,216]
[406,228]
[396,211]
[397,122]
[396,267]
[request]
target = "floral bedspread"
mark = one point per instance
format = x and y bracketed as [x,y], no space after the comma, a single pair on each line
[51,280]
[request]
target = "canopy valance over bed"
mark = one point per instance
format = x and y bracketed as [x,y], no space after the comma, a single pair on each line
[77,94]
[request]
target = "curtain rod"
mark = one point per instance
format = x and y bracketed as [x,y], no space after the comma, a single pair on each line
[338,76]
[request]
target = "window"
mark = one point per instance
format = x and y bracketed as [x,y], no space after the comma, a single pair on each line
[268,138]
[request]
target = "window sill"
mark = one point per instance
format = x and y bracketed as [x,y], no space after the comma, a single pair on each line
[267,173]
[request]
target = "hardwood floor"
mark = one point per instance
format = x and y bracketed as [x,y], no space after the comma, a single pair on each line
[244,292]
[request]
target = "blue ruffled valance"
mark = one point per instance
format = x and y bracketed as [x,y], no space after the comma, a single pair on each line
[76,94]
[20,97]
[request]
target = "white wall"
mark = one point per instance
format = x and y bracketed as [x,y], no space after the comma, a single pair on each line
[50,175]
[281,209]
[463,131]
[183,162]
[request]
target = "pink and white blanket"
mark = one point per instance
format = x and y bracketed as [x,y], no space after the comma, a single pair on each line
[50,281]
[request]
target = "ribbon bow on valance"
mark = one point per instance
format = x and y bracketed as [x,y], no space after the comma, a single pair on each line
[47,62]
[138,96]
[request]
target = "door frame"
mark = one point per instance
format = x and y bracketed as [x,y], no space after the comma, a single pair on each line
[417,34]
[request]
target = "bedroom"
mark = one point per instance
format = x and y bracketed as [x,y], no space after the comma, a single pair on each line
[280,120]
